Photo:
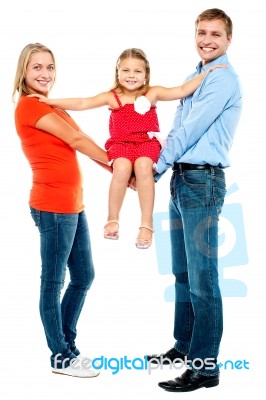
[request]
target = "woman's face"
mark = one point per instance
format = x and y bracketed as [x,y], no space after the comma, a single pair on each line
[40,73]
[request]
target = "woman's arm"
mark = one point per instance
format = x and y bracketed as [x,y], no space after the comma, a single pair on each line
[76,104]
[179,92]
[55,125]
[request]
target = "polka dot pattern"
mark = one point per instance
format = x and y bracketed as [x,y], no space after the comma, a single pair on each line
[132,150]
[128,133]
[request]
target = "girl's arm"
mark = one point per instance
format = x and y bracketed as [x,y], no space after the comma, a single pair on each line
[55,125]
[179,92]
[76,104]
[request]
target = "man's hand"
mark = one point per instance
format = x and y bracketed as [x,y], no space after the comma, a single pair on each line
[132,183]
[42,98]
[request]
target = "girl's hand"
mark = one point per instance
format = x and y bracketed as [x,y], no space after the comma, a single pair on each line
[42,98]
[216,66]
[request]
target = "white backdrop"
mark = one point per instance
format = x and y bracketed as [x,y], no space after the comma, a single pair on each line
[129,309]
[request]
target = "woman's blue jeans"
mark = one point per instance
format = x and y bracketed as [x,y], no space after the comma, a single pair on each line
[64,242]
[197,198]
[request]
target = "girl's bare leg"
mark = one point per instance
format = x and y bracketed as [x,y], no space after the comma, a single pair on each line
[122,169]
[143,168]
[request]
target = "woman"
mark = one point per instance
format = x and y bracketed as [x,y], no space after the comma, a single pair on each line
[49,139]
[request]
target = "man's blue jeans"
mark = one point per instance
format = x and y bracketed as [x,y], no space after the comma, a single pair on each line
[197,198]
[64,241]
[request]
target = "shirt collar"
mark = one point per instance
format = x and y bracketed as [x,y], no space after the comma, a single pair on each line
[220,60]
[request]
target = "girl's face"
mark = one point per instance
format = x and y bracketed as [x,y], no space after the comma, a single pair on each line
[40,73]
[131,73]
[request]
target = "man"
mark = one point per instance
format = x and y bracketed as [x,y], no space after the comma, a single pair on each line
[197,150]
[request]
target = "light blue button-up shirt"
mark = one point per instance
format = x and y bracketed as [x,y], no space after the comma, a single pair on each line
[206,121]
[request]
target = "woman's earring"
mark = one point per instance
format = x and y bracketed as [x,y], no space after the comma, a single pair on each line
[144,83]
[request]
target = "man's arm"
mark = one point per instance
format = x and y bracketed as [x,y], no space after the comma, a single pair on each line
[207,104]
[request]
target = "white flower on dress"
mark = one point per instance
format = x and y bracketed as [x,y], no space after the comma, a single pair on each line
[158,135]
[142,105]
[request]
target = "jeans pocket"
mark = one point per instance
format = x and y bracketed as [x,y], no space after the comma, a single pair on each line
[219,191]
[172,186]
[218,198]
[195,178]
[35,214]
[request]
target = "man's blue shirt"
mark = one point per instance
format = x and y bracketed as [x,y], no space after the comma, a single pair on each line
[205,122]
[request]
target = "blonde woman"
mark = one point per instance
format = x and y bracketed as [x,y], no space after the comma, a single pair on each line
[49,139]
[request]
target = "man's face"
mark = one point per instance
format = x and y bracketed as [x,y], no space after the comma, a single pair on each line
[212,40]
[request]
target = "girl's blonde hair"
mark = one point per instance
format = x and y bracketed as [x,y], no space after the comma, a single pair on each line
[23,61]
[139,55]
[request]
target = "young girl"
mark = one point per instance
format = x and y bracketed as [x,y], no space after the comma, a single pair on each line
[132,146]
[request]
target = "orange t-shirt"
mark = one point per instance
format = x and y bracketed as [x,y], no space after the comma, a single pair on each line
[57,180]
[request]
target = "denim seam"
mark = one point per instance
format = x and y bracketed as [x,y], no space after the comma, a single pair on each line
[215,328]
[55,270]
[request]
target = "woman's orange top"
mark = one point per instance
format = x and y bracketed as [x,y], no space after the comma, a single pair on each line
[56,180]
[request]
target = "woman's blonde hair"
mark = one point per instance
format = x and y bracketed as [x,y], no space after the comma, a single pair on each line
[23,61]
[139,55]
